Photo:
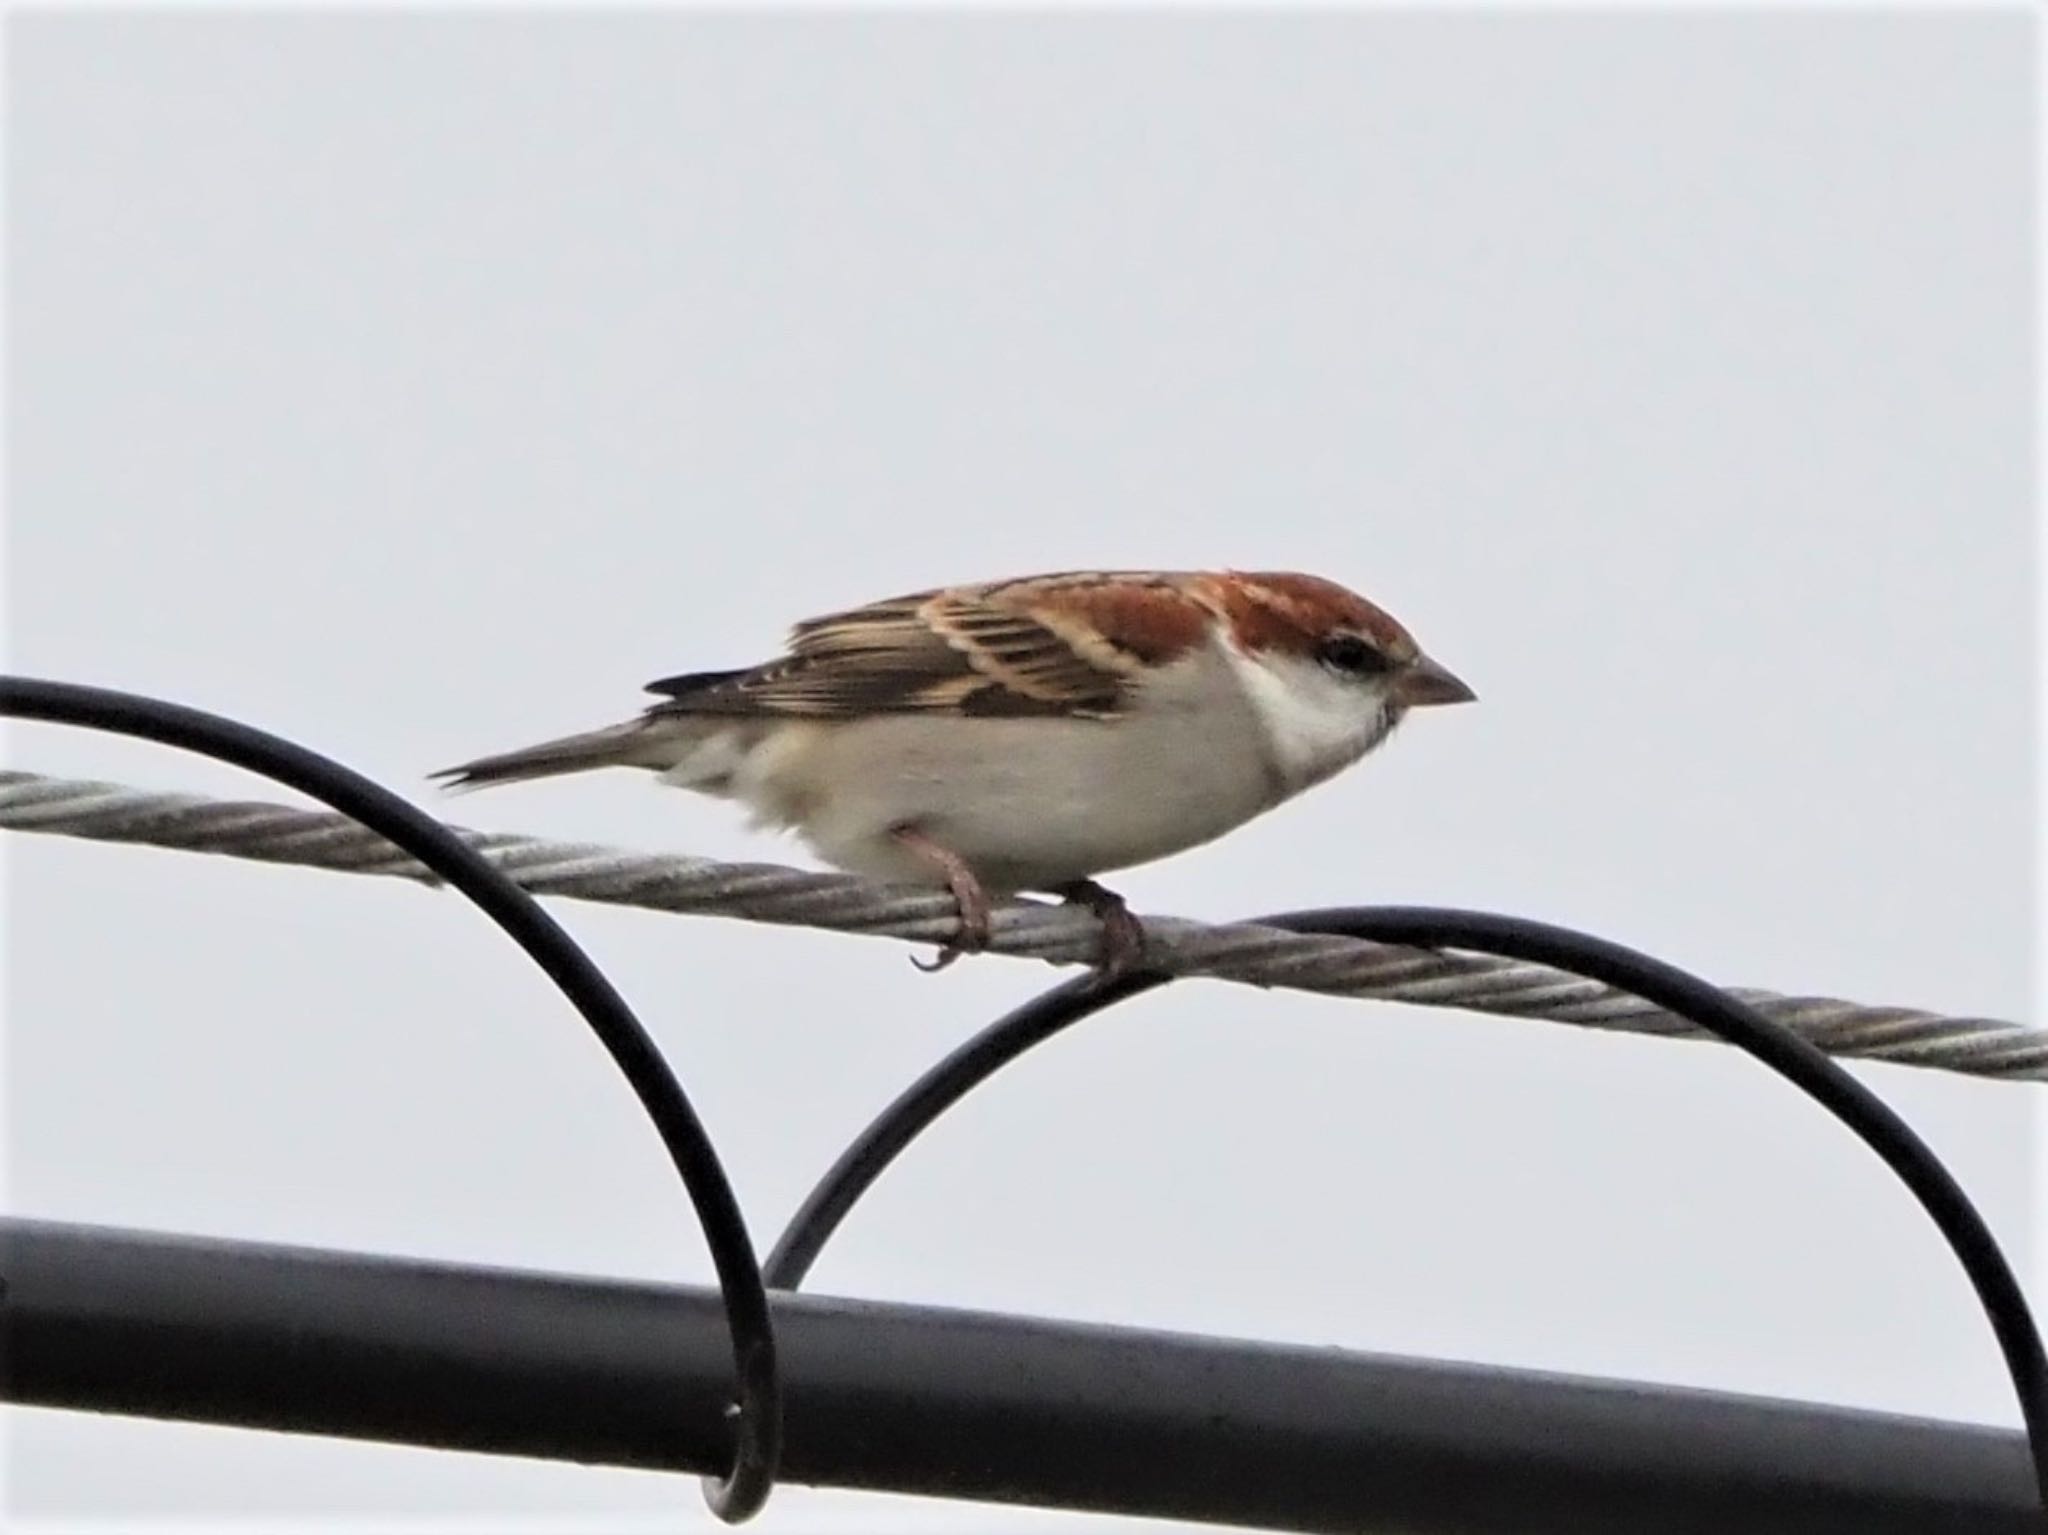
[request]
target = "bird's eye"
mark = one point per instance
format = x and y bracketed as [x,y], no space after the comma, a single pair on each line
[1350,654]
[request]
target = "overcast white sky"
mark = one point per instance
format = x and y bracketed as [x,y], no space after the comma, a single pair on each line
[416,386]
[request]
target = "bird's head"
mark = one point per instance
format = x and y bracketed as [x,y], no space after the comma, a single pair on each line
[1328,674]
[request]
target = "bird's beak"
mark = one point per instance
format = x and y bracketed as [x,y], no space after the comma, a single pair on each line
[1426,683]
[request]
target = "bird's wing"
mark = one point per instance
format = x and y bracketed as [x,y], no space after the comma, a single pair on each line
[1068,644]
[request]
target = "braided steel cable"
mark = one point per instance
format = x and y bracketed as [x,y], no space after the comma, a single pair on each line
[1242,952]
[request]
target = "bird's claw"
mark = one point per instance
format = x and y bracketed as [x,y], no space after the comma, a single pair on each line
[949,951]
[1123,935]
[972,935]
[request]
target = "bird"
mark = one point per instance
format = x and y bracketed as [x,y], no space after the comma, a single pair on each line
[1026,735]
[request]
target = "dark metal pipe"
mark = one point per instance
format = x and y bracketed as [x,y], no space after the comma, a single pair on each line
[955,1403]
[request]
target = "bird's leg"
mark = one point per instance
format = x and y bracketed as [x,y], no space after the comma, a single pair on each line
[968,895]
[1123,936]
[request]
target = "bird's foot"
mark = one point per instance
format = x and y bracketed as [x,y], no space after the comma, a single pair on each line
[1123,936]
[972,935]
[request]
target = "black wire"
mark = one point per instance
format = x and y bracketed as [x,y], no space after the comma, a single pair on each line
[868,1155]
[757,1449]
[1663,985]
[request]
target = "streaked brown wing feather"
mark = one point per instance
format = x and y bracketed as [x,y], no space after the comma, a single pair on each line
[1049,645]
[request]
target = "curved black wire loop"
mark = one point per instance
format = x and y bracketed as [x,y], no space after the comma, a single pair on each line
[757,1448]
[1705,1005]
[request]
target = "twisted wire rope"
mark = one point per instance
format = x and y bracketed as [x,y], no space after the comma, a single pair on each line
[1240,952]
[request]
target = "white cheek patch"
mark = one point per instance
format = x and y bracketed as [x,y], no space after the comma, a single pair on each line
[1315,723]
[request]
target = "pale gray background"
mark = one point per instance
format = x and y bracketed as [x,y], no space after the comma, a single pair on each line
[419,386]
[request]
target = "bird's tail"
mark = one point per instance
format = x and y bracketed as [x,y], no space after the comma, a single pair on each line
[626,745]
